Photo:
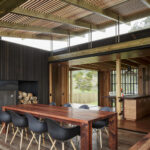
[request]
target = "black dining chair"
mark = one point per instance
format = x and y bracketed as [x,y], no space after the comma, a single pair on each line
[5,117]
[67,105]
[59,133]
[101,124]
[52,104]
[84,107]
[21,123]
[36,126]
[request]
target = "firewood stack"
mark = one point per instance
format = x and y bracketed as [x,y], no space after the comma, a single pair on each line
[27,98]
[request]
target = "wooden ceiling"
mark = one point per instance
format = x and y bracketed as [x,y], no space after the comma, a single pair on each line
[111,65]
[56,19]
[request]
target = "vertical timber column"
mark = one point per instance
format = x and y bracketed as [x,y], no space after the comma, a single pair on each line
[50,83]
[71,86]
[118,86]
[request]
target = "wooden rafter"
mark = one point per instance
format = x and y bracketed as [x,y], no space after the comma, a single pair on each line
[31,28]
[146,2]
[140,61]
[51,17]
[102,49]
[28,36]
[8,5]
[112,57]
[106,13]
[129,63]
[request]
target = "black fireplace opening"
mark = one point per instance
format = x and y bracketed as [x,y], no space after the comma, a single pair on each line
[9,91]
[28,87]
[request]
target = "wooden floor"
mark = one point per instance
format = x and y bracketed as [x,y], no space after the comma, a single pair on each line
[142,125]
[123,138]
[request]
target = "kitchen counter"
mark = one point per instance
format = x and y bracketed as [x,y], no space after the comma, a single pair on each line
[136,107]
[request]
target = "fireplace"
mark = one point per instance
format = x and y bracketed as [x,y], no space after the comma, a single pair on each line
[9,91]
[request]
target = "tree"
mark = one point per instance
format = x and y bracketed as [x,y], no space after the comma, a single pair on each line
[83,80]
[139,25]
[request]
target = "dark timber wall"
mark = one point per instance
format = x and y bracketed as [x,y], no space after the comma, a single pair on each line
[19,62]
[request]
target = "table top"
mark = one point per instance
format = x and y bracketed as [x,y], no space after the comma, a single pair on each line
[61,113]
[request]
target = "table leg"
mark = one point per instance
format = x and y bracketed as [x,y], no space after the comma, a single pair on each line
[86,136]
[113,133]
[3,123]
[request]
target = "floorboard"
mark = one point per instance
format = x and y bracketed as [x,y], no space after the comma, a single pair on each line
[125,139]
[142,125]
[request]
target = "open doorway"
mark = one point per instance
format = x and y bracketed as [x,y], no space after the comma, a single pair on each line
[84,87]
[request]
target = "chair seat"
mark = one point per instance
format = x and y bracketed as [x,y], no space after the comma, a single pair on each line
[36,125]
[5,117]
[19,120]
[100,124]
[61,133]
[40,127]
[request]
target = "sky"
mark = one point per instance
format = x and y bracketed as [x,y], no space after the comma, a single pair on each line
[96,35]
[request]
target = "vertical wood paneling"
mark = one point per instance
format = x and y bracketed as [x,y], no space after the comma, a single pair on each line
[60,84]
[18,62]
[104,88]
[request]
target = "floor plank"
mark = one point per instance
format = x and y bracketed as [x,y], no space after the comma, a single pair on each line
[142,125]
[125,139]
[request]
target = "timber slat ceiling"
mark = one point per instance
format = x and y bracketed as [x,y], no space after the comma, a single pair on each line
[63,17]
[129,8]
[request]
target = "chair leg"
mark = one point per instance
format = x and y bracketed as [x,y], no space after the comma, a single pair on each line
[14,135]
[53,145]
[34,137]
[43,138]
[74,148]
[3,126]
[26,131]
[106,131]
[100,134]
[6,133]
[63,146]
[21,139]
[30,142]
[39,144]
[51,141]
[13,128]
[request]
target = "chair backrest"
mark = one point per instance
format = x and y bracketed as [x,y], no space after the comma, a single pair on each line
[61,133]
[67,105]
[54,128]
[52,104]
[84,107]
[35,125]
[18,120]
[106,109]
[5,116]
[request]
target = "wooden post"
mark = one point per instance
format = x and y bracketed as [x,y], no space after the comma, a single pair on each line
[118,86]
[50,83]
[71,86]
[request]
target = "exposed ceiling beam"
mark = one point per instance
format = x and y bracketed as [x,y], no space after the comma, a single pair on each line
[31,28]
[129,63]
[146,2]
[139,61]
[106,13]
[24,35]
[54,18]
[111,57]
[102,49]
[7,6]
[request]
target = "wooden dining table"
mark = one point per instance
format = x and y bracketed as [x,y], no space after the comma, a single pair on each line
[83,118]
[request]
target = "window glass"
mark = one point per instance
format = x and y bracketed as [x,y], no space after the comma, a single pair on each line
[129,81]
[85,87]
